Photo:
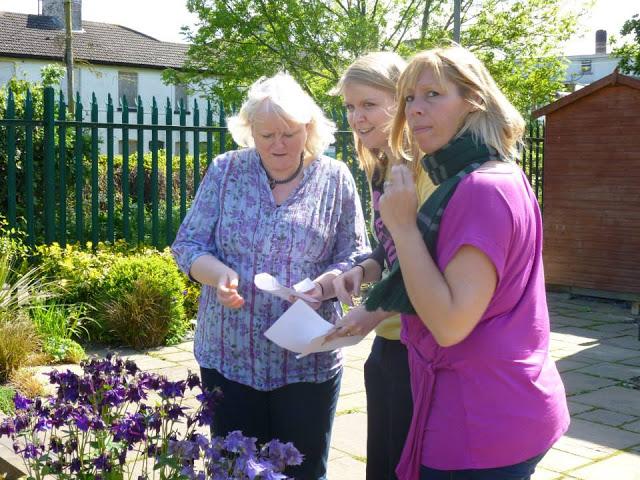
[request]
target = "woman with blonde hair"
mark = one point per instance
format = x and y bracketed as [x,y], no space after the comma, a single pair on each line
[368,88]
[278,206]
[469,281]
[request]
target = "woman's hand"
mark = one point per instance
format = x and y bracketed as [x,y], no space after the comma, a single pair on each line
[347,285]
[227,290]
[399,203]
[317,293]
[357,322]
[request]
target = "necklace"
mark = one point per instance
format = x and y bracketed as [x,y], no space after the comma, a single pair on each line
[273,182]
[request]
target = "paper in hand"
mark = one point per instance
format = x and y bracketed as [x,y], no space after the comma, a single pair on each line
[268,283]
[301,330]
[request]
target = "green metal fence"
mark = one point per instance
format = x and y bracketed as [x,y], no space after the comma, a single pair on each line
[61,188]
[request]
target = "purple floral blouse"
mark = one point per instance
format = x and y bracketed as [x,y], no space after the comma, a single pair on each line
[234,217]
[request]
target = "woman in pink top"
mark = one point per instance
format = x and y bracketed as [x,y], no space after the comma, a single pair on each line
[469,280]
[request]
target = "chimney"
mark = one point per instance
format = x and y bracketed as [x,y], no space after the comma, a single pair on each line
[601,42]
[55,9]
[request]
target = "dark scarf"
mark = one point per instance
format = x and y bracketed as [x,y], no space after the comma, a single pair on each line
[446,167]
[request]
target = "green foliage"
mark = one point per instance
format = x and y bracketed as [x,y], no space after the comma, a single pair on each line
[98,281]
[314,40]
[140,317]
[140,296]
[6,399]
[63,350]
[51,75]
[60,321]
[629,52]
[19,290]
[76,272]
[21,90]
[18,342]
[191,300]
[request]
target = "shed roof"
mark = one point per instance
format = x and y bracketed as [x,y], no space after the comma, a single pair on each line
[610,80]
[36,36]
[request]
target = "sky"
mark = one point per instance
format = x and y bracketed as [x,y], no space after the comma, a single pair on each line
[162,19]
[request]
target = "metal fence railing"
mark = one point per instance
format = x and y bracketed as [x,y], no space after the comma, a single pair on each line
[65,183]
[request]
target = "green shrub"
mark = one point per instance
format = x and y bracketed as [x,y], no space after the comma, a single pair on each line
[191,299]
[155,274]
[6,400]
[76,272]
[140,318]
[19,341]
[63,350]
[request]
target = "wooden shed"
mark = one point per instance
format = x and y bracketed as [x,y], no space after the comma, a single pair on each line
[592,189]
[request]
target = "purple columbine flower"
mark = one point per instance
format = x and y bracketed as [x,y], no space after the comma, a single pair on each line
[102,463]
[21,403]
[170,389]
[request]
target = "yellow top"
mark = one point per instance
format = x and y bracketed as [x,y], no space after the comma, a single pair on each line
[390,327]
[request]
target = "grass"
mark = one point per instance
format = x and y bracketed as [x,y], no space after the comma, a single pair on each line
[58,320]
[6,399]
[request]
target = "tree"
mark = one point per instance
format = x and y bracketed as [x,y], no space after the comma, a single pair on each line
[629,53]
[240,40]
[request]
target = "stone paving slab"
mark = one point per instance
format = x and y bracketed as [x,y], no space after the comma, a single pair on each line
[558,461]
[613,371]
[617,399]
[622,466]
[575,382]
[606,417]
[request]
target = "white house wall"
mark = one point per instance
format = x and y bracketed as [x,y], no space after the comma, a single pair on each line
[103,80]
[601,66]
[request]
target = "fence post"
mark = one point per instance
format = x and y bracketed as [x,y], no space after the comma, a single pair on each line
[49,164]
[95,225]
[154,174]
[62,165]
[110,173]
[79,171]
[168,137]
[10,114]
[140,172]
[125,169]
[223,124]
[196,146]
[183,161]
[28,169]
[209,133]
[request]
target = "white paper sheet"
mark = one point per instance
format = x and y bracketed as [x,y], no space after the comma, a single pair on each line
[268,283]
[301,330]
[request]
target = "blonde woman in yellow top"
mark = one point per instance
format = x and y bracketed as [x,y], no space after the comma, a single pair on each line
[368,88]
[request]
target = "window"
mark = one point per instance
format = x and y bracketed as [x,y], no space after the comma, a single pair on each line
[180,94]
[133,146]
[160,144]
[176,148]
[128,88]
[585,66]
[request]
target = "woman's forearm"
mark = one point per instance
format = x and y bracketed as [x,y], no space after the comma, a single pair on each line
[372,271]
[208,270]
[426,286]
[452,303]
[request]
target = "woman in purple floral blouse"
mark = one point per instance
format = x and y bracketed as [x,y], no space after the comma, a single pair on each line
[278,206]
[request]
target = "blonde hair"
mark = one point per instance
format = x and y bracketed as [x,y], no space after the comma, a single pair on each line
[494,121]
[379,70]
[282,95]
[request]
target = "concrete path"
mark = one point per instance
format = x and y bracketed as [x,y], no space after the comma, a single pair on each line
[598,354]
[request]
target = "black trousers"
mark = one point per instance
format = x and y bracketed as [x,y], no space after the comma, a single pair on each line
[389,406]
[519,471]
[301,413]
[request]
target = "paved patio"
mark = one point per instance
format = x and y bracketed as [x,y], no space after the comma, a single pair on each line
[597,351]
